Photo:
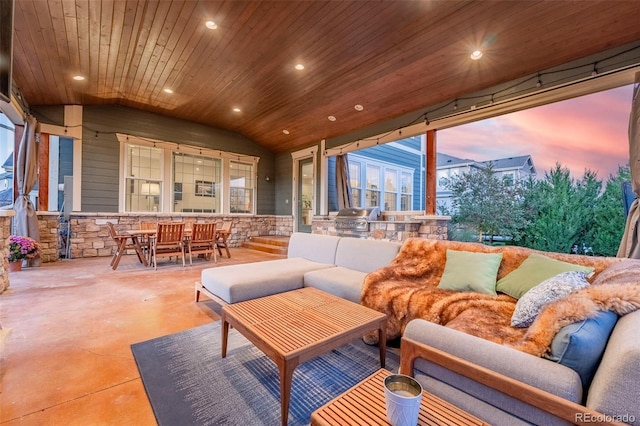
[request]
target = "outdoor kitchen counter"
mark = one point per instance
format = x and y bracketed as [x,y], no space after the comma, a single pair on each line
[396,226]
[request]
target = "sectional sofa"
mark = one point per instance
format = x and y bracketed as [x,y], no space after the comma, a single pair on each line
[342,266]
[333,264]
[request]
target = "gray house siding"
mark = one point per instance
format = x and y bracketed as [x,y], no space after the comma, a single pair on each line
[284,179]
[101,151]
[406,159]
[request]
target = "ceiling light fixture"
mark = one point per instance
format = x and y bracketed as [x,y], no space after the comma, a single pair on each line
[211,25]
[299,67]
[286,132]
[476,54]
[78,77]
[331,118]
[358,107]
[236,109]
[167,90]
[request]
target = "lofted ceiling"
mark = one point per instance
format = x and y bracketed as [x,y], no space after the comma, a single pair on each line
[391,57]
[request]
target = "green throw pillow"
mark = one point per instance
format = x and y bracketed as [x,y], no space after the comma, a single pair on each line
[535,269]
[467,271]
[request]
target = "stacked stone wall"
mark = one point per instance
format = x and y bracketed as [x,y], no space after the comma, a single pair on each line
[5,228]
[90,235]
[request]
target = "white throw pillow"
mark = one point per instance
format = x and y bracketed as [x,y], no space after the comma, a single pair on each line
[549,290]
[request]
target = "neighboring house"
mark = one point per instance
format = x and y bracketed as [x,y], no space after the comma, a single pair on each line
[6,182]
[512,169]
[389,176]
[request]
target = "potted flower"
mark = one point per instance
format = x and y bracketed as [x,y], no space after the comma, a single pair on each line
[21,248]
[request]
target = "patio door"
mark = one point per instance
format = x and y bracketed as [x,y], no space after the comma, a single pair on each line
[305,194]
[304,188]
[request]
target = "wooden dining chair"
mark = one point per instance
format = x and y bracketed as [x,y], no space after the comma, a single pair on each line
[123,244]
[146,241]
[203,241]
[221,237]
[169,241]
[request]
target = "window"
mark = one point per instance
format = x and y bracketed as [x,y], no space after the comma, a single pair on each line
[390,189]
[508,178]
[372,194]
[406,191]
[143,179]
[372,179]
[242,182]
[356,182]
[164,177]
[196,183]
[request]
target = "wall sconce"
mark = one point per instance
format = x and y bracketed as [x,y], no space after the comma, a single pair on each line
[267,178]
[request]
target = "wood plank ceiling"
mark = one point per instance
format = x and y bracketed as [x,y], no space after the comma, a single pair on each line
[392,57]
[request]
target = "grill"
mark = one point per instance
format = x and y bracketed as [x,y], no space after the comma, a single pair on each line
[356,219]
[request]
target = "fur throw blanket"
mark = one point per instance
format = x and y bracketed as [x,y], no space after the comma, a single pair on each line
[407,289]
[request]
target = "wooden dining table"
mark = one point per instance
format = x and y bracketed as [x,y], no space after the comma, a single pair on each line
[150,234]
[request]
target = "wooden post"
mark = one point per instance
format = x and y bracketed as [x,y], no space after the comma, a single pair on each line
[43,172]
[430,181]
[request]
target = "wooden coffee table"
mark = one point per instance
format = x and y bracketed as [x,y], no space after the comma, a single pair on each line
[293,327]
[364,404]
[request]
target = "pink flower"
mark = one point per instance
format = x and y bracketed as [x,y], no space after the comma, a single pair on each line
[22,248]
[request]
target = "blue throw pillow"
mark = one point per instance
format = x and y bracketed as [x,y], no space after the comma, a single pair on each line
[580,345]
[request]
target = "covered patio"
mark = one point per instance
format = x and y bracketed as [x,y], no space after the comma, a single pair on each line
[71,324]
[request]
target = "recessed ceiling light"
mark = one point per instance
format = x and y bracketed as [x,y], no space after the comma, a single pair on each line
[299,67]
[78,77]
[236,109]
[286,132]
[476,54]
[211,25]
[331,118]
[167,90]
[358,107]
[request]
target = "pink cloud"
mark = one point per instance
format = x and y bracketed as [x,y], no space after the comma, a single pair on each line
[589,132]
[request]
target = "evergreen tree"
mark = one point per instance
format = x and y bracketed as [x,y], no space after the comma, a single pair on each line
[559,210]
[608,215]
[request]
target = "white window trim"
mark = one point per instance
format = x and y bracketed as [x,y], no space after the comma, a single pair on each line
[167,187]
[382,165]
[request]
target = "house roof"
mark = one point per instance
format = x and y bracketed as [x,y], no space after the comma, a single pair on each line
[500,164]
[445,160]
[519,162]
[397,59]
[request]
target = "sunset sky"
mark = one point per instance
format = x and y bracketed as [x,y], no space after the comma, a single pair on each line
[589,132]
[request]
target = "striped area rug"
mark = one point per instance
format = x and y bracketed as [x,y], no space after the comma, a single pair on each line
[187,381]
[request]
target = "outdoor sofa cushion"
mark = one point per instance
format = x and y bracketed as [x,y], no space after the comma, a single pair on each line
[342,282]
[237,283]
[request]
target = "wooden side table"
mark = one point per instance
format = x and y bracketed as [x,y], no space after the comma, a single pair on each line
[364,404]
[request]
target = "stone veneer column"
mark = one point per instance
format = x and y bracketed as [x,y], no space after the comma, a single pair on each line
[433,227]
[5,227]
[48,226]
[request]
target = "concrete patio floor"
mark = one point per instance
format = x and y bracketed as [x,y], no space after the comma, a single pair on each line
[68,327]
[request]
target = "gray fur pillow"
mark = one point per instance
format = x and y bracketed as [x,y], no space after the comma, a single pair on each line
[552,289]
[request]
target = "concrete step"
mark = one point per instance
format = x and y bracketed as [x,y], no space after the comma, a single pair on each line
[268,248]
